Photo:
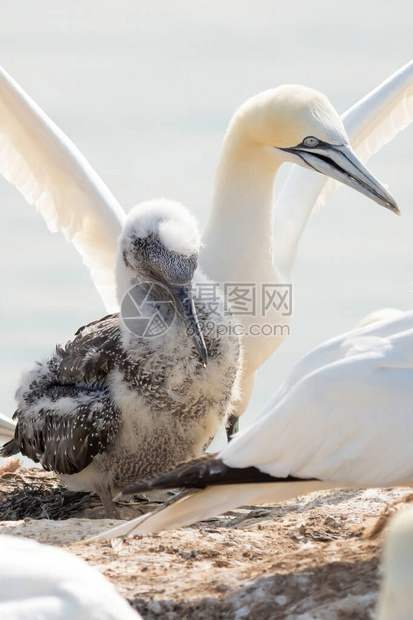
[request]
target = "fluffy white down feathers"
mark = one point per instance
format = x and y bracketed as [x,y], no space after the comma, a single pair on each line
[176,226]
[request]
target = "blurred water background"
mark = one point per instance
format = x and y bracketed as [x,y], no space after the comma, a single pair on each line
[145,90]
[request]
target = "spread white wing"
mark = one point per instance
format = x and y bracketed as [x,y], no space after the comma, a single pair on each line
[343,414]
[50,172]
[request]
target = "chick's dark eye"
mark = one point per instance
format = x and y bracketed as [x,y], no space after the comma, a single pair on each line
[310,141]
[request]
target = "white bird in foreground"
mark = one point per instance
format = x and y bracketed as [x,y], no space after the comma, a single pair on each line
[343,418]
[289,123]
[396,595]
[40,582]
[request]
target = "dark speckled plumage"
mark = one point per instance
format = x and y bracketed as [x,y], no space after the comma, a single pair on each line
[112,407]
[67,441]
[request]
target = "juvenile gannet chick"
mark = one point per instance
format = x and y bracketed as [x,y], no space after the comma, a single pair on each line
[118,403]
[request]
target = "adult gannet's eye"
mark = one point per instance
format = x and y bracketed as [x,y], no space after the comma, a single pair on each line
[310,141]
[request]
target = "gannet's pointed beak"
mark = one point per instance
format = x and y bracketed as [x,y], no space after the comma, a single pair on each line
[186,307]
[341,163]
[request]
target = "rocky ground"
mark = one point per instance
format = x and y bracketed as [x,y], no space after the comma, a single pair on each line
[314,557]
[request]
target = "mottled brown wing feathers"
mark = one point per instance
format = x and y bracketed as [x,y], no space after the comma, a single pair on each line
[77,419]
[67,442]
[92,353]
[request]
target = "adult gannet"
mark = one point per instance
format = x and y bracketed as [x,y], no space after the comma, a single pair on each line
[134,394]
[46,583]
[343,418]
[291,123]
[396,597]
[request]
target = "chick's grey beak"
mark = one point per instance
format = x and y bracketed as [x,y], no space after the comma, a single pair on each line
[186,307]
[341,163]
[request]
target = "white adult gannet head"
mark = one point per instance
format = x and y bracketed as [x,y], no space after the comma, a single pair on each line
[159,246]
[298,124]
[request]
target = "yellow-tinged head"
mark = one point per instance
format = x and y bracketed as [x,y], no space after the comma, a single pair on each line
[285,116]
[298,124]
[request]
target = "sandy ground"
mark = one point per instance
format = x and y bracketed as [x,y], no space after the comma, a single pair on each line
[302,559]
